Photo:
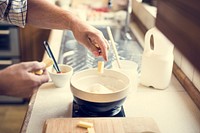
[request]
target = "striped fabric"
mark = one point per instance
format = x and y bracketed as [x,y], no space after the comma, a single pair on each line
[13,12]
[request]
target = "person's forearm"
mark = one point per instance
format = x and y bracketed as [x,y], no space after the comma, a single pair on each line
[43,14]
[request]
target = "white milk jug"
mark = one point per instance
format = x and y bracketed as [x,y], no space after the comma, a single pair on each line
[157,60]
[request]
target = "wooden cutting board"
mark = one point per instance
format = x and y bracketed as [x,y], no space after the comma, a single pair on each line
[102,125]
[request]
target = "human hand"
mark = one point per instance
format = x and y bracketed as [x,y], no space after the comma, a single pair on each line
[90,37]
[41,15]
[19,80]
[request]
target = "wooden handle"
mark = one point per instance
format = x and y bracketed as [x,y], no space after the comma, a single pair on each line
[113,45]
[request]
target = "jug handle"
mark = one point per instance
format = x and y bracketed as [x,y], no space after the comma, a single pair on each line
[147,40]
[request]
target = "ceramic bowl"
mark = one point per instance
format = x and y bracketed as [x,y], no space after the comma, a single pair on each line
[61,79]
[99,93]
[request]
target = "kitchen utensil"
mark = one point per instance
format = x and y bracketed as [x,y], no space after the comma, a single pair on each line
[113,45]
[49,52]
[98,103]
[102,125]
[157,60]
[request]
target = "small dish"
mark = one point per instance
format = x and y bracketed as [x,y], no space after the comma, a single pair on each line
[63,78]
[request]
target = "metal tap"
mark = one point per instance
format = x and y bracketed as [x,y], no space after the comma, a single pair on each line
[127,22]
[126,28]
